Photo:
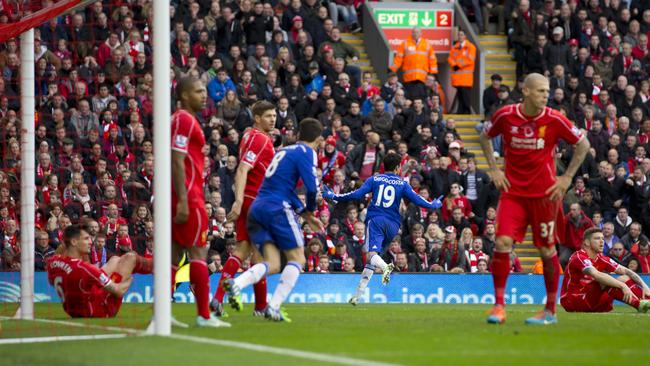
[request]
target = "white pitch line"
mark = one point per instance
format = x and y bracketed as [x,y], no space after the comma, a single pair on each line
[60,338]
[81,325]
[312,356]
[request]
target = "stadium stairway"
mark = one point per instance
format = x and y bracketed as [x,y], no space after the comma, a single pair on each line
[356,41]
[498,60]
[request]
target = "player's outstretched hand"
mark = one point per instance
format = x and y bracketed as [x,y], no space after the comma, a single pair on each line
[499,179]
[182,212]
[438,201]
[235,210]
[559,188]
[328,194]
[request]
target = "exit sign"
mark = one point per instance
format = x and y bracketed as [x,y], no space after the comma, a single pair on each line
[414,18]
[397,25]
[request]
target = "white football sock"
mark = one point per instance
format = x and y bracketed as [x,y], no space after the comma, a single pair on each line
[366,275]
[378,262]
[288,280]
[252,276]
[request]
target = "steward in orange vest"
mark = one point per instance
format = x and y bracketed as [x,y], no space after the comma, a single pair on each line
[462,57]
[416,57]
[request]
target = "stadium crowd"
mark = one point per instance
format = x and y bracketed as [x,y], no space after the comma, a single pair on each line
[94,125]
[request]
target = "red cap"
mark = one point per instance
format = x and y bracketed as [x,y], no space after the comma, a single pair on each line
[450,229]
[573,42]
[327,48]
[297,18]
[331,141]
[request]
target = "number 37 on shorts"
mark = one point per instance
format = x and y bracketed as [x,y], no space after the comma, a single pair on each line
[514,214]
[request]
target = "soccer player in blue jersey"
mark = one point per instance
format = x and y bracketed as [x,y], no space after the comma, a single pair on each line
[272,224]
[383,217]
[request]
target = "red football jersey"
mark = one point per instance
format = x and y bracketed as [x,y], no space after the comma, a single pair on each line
[529,144]
[575,280]
[256,150]
[188,138]
[79,284]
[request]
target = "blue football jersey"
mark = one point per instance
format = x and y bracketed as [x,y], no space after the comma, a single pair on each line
[387,193]
[290,164]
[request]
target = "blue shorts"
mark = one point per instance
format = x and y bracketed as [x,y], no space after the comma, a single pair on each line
[380,231]
[274,222]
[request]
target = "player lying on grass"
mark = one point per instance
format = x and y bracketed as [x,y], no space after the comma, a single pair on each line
[272,224]
[587,286]
[85,290]
[383,217]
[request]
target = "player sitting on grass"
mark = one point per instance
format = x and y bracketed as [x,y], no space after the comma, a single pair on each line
[587,286]
[85,290]
[272,224]
[383,218]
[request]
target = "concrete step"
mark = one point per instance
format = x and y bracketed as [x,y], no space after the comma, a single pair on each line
[492,37]
[496,49]
[499,56]
[501,43]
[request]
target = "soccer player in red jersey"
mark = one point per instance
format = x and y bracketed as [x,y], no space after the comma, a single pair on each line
[255,154]
[587,286]
[190,223]
[85,290]
[531,192]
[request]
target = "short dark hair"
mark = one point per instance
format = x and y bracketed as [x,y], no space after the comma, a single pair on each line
[391,161]
[310,129]
[590,232]
[73,232]
[183,85]
[259,108]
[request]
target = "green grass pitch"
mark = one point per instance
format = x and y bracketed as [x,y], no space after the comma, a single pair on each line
[394,334]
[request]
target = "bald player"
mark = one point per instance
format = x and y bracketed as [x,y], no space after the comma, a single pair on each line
[531,193]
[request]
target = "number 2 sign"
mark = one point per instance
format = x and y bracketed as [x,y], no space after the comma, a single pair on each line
[443,19]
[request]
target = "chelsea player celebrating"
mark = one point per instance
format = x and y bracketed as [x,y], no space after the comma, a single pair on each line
[383,217]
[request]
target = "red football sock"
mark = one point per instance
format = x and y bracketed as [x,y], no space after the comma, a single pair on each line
[500,271]
[199,280]
[174,270]
[551,280]
[618,295]
[229,269]
[260,294]
[143,265]
[636,289]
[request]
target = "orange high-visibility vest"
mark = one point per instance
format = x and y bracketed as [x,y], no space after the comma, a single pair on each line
[464,57]
[416,60]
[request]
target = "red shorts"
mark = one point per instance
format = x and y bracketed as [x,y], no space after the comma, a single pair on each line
[514,214]
[194,232]
[240,224]
[593,299]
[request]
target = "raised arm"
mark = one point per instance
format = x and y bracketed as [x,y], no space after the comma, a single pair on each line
[350,196]
[418,200]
